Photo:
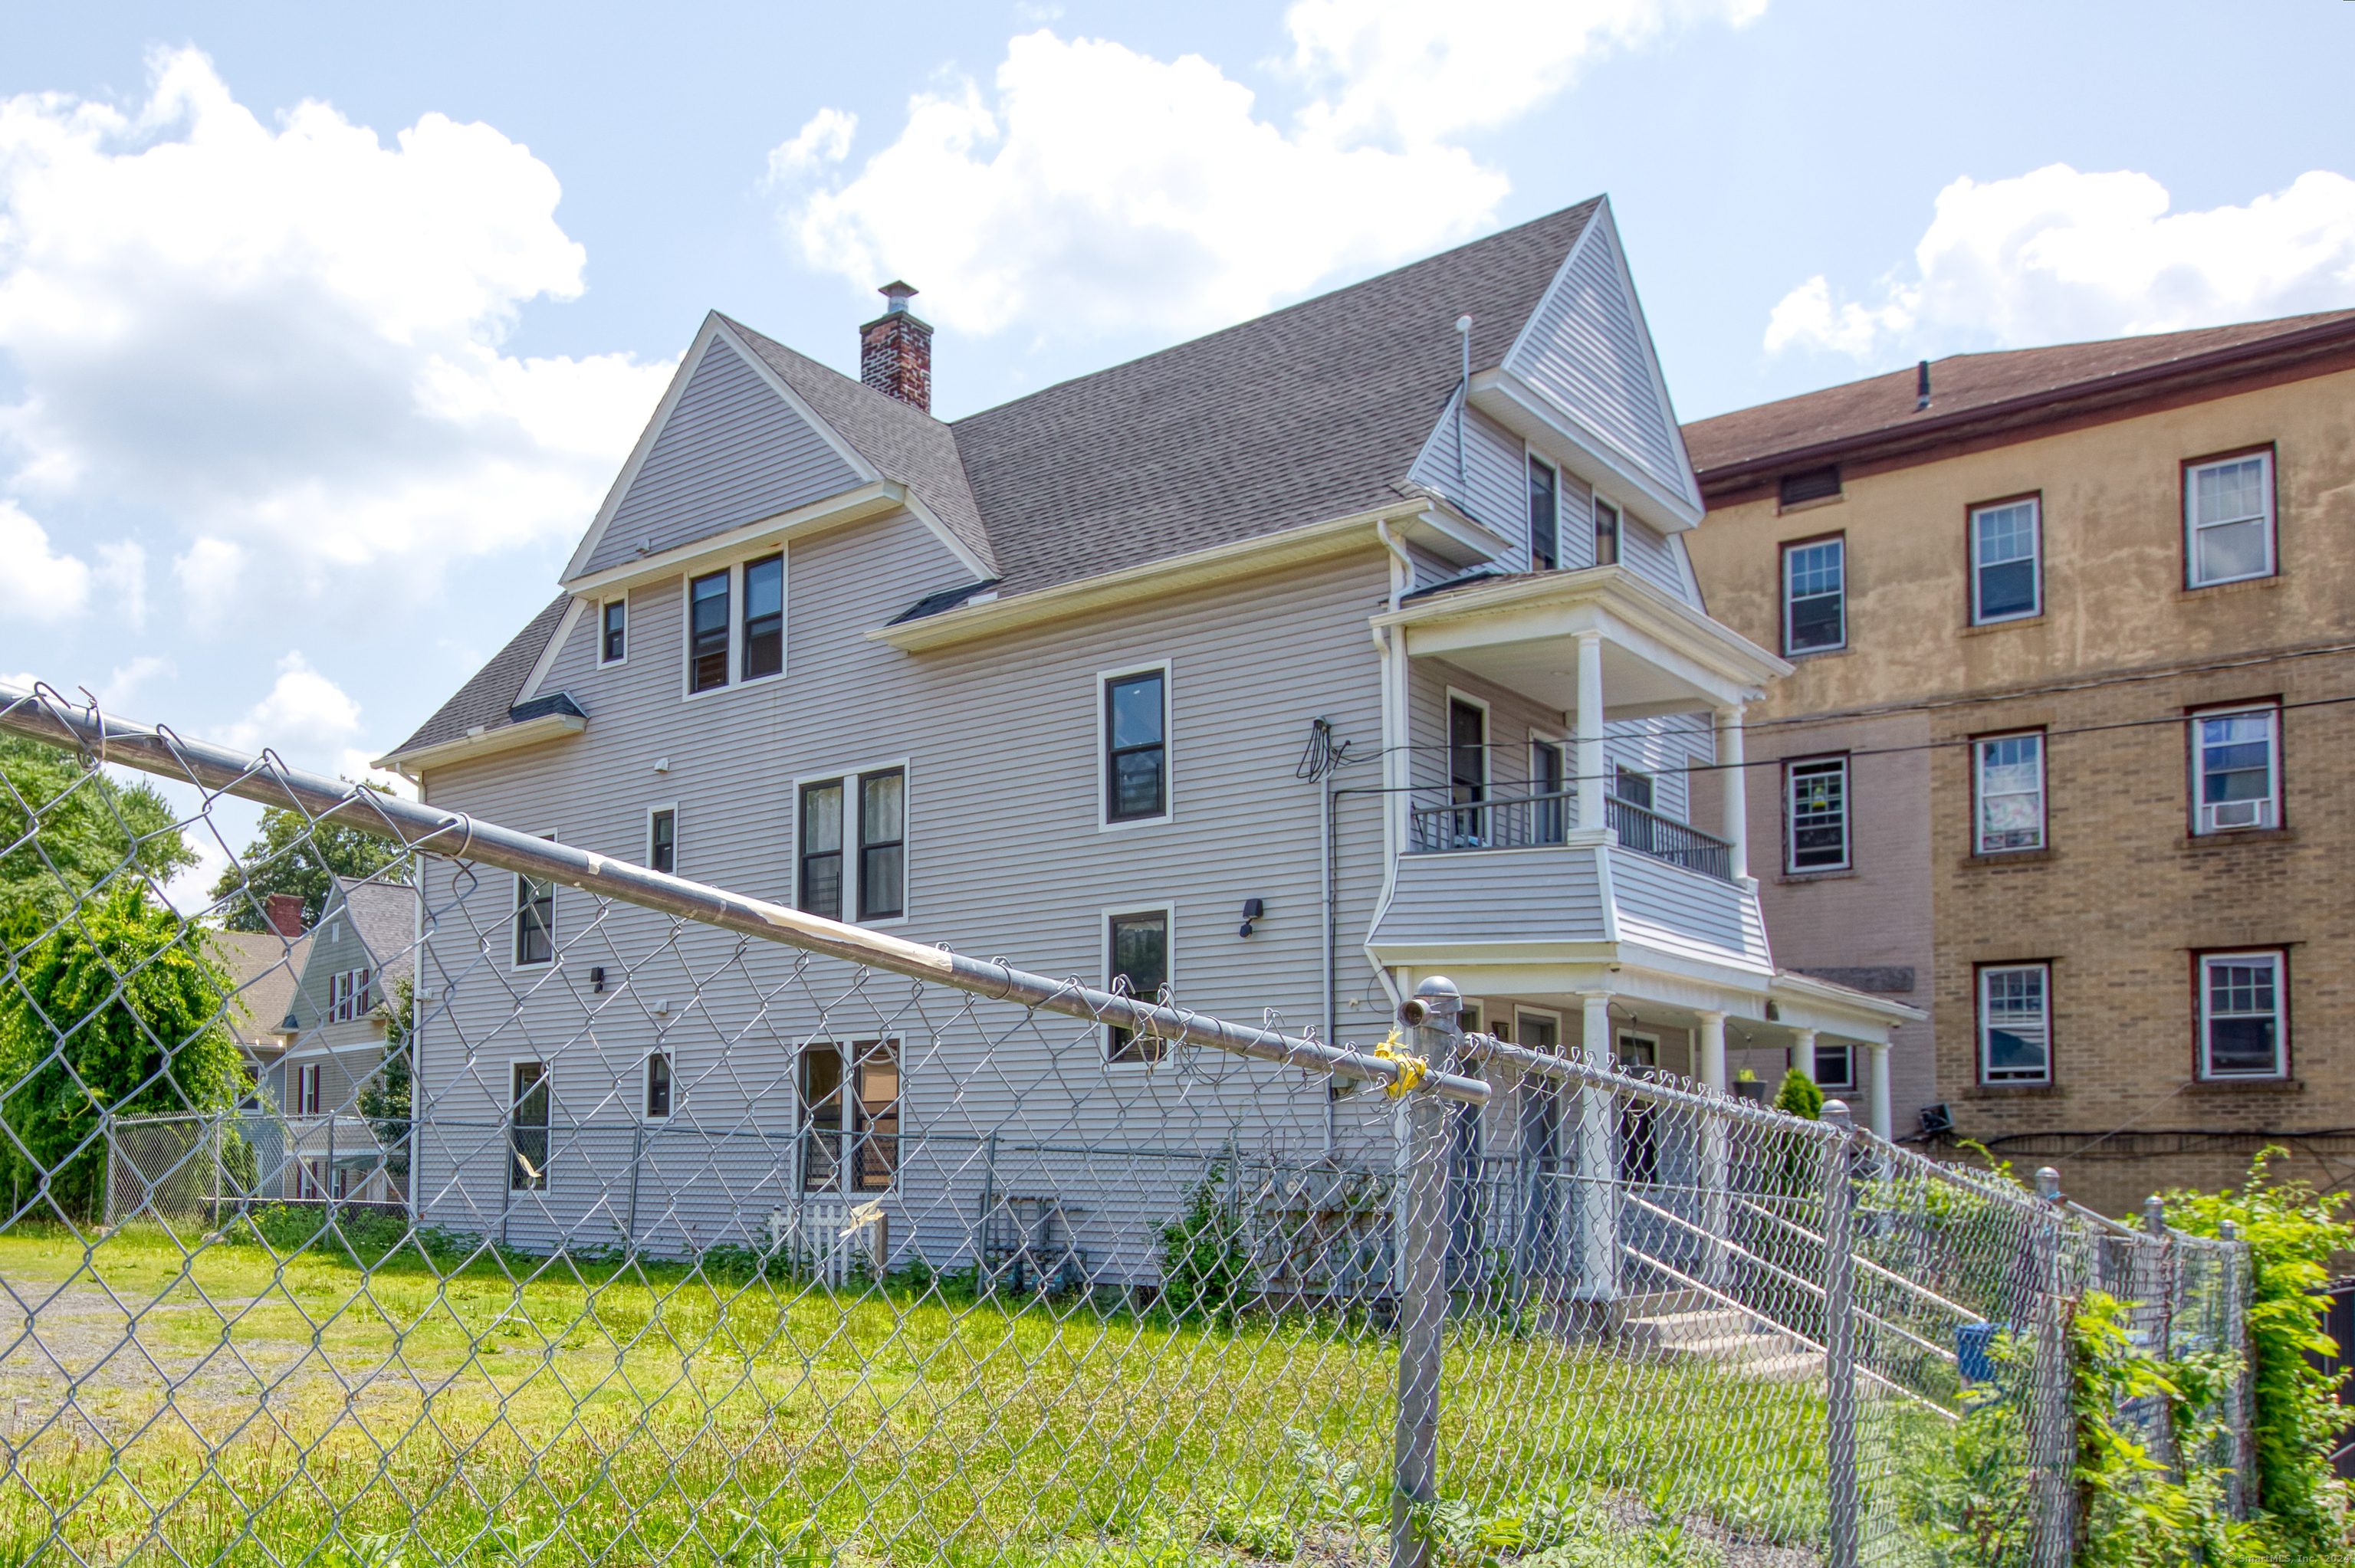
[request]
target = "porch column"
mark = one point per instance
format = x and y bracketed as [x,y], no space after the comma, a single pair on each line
[1734,828]
[1881,1118]
[1598,1159]
[1710,1068]
[1803,1055]
[1589,735]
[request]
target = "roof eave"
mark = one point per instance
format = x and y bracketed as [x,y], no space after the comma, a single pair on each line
[874,499]
[1568,441]
[1896,440]
[482,742]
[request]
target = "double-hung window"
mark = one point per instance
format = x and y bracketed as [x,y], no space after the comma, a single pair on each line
[657,1085]
[2236,769]
[2008,786]
[764,617]
[527,1127]
[306,1089]
[2015,1024]
[1137,950]
[850,1106]
[869,811]
[2007,551]
[1835,1066]
[1816,829]
[1545,516]
[1136,747]
[1814,596]
[707,632]
[1606,533]
[2244,1000]
[662,838]
[535,922]
[613,631]
[339,996]
[2228,519]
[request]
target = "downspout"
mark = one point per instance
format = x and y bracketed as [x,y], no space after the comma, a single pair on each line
[1392,643]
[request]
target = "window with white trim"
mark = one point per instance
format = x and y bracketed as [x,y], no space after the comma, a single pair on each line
[657,1101]
[764,617]
[2242,1021]
[351,995]
[527,1127]
[1835,1066]
[2014,1006]
[1545,516]
[868,812]
[1138,947]
[1136,745]
[306,1089]
[662,838]
[707,631]
[2008,786]
[1816,833]
[2236,769]
[1814,596]
[613,631]
[1606,533]
[850,1110]
[535,922]
[2228,520]
[2006,566]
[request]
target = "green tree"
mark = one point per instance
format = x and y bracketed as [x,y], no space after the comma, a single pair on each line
[383,1098]
[294,853]
[121,1010]
[64,829]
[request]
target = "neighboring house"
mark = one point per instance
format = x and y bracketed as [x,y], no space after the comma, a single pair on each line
[1038,683]
[361,950]
[264,967]
[2063,758]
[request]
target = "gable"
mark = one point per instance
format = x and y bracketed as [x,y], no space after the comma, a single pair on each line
[1587,349]
[729,450]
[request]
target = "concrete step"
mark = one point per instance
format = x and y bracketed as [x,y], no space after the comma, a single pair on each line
[1682,1328]
[1796,1366]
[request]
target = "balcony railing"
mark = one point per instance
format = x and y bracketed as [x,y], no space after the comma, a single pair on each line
[1529,822]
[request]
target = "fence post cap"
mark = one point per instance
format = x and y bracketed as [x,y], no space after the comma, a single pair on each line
[2048,1183]
[1837,1113]
[1436,1000]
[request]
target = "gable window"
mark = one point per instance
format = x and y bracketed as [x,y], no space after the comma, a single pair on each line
[535,922]
[1809,484]
[1136,747]
[764,617]
[1545,516]
[2015,1024]
[1816,802]
[339,996]
[662,838]
[1139,949]
[2236,769]
[306,1089]
[1814,596]
[2010,787]
[2228,519]
[2005,561]
[658,1086]
[1606,533]
[850,1106]
[613,631]
[2242,1029]
[882,844]
[527,1127]
[707,632]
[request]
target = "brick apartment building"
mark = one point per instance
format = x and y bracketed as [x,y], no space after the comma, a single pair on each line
[2066,762]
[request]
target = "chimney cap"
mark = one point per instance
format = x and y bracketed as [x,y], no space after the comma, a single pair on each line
[898,293]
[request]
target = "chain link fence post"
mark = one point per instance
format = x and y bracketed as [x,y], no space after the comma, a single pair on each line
[1422,1283]
[2051,1415]
[2240,1492]
[1843,1542]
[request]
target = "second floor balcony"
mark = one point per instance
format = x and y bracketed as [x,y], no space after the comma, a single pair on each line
[1532,821]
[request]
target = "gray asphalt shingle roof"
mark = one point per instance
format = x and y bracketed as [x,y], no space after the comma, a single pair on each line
[1310,412]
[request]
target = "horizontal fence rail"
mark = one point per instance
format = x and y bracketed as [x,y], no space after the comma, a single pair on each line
[519,1204]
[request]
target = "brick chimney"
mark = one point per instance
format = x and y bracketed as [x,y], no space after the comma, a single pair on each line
[895,351]
[284,913]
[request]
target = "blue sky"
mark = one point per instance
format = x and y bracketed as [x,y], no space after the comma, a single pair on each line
[322,332]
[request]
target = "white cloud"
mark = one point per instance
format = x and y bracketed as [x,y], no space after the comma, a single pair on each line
[291,337]
[305,715]
[122,687]
[1094,188]
[209,571]
[36,584]
[121,575]
[2056,255]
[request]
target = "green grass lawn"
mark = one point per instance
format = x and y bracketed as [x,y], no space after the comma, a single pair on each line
[245,1406]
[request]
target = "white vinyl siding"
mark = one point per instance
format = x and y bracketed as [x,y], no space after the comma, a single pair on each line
[2015,1027]
[2228,520]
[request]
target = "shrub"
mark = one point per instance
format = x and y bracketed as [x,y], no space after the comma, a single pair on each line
[1206,1267]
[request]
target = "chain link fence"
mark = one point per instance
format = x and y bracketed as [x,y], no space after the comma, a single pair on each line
[658,1223]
